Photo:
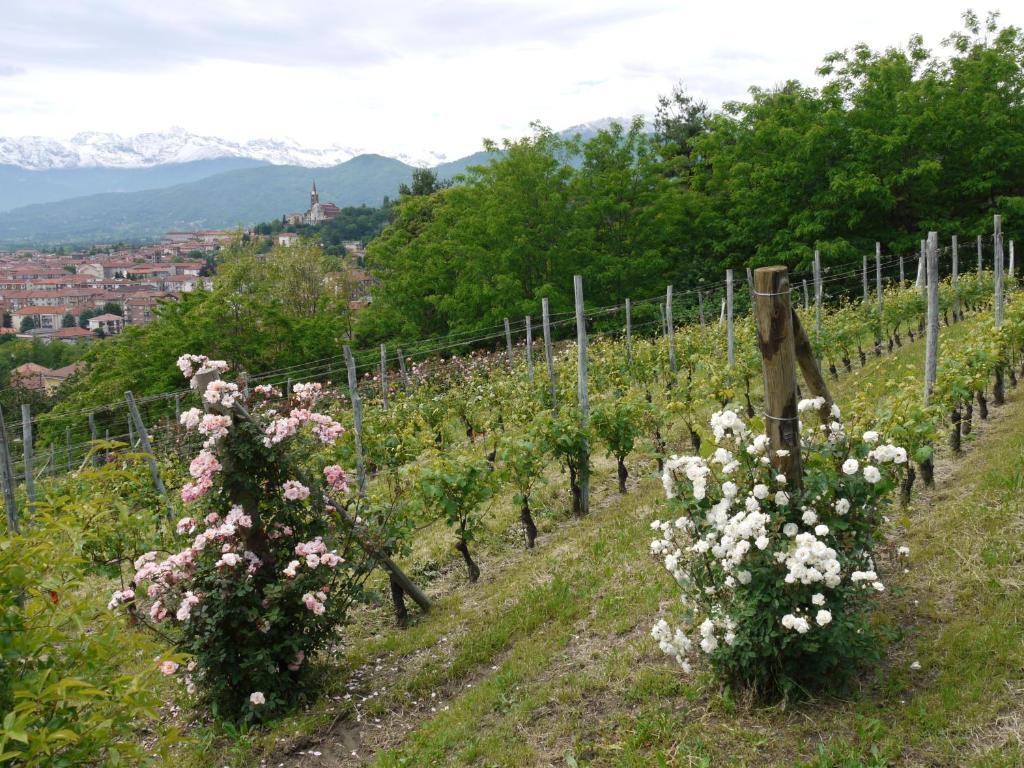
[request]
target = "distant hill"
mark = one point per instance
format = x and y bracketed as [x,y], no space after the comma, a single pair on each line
[20,187]
[232,198]
[59,205]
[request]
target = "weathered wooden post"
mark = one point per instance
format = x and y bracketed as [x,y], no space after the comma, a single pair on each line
[1010,268]
[865,276]
[997,243]
[922,274]
[664,326]
[529,348]
[980,262]
[773,318]
[670,324]
[730,344]
[807,301]
[955,278]
[401,368]
[700,306]
[817,297]
[357,419]
[549,355]
[27,446]
[508,342]
[629,332]
[7,470]
[879,339]
[932,337]
[154,470]
[93,436]
[878,277]
[584,403]
[903,278]
[384,376]
[177,409]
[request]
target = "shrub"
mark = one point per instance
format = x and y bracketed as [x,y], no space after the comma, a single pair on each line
[776,575]
[268,569]
[68,693]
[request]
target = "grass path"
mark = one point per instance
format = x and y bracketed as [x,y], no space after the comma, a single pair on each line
[547,661]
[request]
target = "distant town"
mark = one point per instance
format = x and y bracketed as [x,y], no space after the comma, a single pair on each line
[95,293]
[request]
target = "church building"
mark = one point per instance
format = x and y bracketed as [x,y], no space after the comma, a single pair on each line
[318,212]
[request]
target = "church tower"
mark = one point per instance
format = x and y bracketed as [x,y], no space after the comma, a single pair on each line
[314,196]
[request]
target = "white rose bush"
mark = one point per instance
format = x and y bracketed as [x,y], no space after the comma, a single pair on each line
[268,567]
[777,573]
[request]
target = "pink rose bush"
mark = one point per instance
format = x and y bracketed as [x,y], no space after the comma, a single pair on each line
[264,573]
[777,577]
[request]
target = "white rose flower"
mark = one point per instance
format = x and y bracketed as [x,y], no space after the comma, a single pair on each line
[872,475]
[871,436]
[818,599]
[790,529]
[823,617]
[850,467]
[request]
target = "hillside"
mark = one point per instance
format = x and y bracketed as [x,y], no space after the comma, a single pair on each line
[233,198]
[21,187]
[547,661]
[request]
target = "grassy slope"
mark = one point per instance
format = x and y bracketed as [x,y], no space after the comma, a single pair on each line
[547,660]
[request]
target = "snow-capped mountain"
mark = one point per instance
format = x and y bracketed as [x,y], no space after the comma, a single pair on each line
[147,150]
[109,150]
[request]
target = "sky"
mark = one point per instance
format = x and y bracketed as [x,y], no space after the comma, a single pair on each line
[414,77]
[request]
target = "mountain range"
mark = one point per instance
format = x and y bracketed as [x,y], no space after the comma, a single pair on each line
[101,187]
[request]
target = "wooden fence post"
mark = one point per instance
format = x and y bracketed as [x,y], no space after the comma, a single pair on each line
[581,362]
[903,278]
[955,278]
[357,419]
[730,342]
[7,470]
[807,301]
[980,262]
[629,332]
[529,348]
[921,275]
[154,470]
[92,436]
[508,342]
[997,246]
[401,368]
[27,447]
[878,276]
[384,376]
[549,355]
[865,275]
[932,338]
[774,321]
[817,298]
[177,410]
[670,324]
[809,368]
[700,306]
[664,326]
[1010,269]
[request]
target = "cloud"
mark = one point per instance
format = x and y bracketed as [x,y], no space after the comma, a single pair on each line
[10,70]
[126,35]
